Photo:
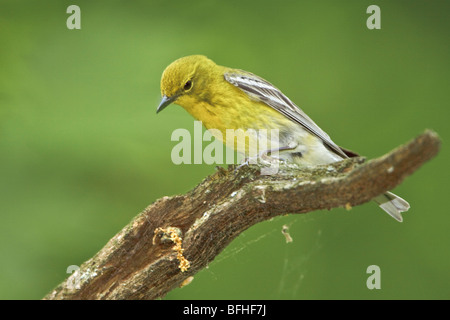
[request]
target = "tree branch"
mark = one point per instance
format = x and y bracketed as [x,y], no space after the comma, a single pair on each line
[175,237]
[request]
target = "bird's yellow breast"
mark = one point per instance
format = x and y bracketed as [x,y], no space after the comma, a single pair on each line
[234,118]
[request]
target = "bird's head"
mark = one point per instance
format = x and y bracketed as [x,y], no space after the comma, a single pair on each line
[183,78]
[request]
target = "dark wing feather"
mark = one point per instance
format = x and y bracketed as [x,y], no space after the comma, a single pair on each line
[262,90]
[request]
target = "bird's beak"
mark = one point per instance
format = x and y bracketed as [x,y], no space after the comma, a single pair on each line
[165,101]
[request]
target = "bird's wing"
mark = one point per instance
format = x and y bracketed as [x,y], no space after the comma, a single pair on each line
[261,90]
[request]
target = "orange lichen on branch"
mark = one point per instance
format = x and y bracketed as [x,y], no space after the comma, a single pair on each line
[174,234]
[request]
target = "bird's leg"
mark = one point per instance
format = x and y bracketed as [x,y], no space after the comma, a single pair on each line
[273,166]
[268,153]
[246,162]
[267,158]
[262,156]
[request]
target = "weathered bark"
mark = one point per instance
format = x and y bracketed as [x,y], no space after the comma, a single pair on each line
[175,237]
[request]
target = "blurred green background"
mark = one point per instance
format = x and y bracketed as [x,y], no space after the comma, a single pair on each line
[83,152]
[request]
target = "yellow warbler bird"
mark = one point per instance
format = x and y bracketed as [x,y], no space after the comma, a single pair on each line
[232,99]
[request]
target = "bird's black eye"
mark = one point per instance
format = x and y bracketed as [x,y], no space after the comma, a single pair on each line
[187,85]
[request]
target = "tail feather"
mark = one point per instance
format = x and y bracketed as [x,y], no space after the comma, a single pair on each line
[393,205]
